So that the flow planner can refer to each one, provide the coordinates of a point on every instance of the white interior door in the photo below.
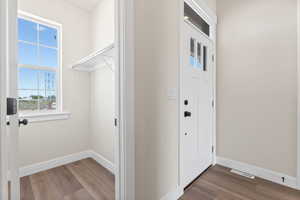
(197, 116)
(12, 94)
(3, 94)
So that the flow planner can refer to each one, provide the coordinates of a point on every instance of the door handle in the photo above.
(24, 122)
(187, 114)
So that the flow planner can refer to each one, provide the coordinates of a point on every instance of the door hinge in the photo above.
(212, 149)
(213, 58)
(213, 103)
(116, 122)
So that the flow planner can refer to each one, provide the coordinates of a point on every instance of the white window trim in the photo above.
(58, 114)
(48, 116)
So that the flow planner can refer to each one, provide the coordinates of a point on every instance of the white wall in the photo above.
(156, 117)
(102, 83)
(257, 80)
(212, 4)
(103, 24)
(156, 71)
(48, 140)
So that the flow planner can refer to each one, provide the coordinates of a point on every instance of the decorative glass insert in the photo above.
(204, 58)
(192, 52)
(199, 55)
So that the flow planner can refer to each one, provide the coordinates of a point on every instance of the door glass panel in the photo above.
(192, 52)
(199, 57)
(204, 58)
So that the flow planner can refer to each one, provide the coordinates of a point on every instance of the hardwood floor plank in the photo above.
(43, 188)
(79, 195)
(276, 191)
(101, 173)
(26, 189)
(64, 180)
(82, 180)
(95, 186)
(195, 193)
(218, 183)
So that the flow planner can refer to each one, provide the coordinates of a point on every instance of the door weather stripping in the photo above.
(244, 174)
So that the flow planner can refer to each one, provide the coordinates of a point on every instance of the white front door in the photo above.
(197, 113)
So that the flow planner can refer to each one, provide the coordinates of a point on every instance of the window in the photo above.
(192, 51)
(193, 17)
(38, 66)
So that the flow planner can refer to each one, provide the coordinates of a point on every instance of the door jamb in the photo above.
(298, 94)
(207, 14)
(3, 90)
(124, 76)
(13, 129)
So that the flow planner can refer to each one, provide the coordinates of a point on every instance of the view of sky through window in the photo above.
(38, 63)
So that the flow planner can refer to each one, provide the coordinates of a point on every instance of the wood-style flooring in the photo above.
(218, 183)
(81, 180)
(87, 180)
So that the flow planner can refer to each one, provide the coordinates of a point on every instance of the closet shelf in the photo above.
(101, 58)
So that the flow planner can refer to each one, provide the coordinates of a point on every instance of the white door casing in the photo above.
(3, 94)
(13, 130)
(197, 134)
(124, 76)
(9, 134)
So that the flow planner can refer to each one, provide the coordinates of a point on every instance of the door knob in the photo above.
(187, 114)
(24, 122)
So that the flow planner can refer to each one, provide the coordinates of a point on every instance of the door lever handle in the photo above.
(187, 114)
(24, 122)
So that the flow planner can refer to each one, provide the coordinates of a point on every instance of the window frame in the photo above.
(57, 70)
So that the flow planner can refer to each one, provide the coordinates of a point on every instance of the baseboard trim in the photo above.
(269, 175)
(103, 161)
(35, 168)
(173, 195)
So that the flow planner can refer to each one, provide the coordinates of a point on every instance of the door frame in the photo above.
(3, 93)
(124, 76)
(210, 17)
(125, 152)
(298, 95)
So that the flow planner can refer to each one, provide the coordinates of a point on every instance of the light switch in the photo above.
(172, 93)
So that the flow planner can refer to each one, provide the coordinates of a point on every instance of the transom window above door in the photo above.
(38, 66)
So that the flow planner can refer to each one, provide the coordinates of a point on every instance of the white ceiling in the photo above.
(87, 5)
